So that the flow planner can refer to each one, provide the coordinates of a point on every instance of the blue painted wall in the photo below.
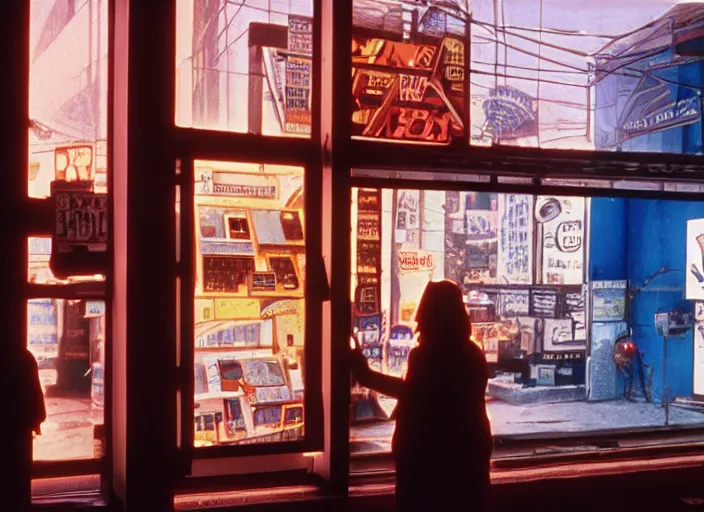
(633, 239)
(608, 243)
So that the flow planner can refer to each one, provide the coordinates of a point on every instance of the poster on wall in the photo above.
(609, 301)
(559, 336)
(478, 258)
(563, 234)
(694, 269)
(408, 218)
(574, 308)
(515, 232)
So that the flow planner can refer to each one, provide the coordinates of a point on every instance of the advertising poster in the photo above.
(407, 217)
(515, 231)
(608, 301)
(694, 268)
(558, 335)
(562, 221)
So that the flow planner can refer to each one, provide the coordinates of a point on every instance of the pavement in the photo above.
(68, 431)
(557, 418)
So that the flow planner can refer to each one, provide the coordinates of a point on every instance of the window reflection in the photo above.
(67, 339)
(606, 75)
(39, 269)
(245, 66)
(408, 70)
(249, 307)
(68, 94)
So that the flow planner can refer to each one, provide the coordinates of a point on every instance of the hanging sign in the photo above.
(79, 242)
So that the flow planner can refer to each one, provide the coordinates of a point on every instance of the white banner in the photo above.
(515, 232)
(562, 219)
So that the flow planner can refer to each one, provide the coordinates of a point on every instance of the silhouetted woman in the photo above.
(442, 443)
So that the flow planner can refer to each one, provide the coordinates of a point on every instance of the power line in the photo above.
(541, 43)
(521, 50)
(571, 33)
(505, 75)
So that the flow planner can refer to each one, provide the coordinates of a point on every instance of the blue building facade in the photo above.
(648, 87)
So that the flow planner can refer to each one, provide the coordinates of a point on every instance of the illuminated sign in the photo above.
(74, 163)
(408, 91)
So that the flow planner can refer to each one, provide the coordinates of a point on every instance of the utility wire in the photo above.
(573, 33)
(539, 42)
(521, 50)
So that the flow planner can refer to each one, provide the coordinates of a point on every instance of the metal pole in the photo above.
(665, 393)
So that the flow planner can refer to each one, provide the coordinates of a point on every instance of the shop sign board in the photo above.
(232, 309)
(79, 241)
(233, 184)
(81, 221)
(656, 105)
(415, 261)
(94, 308)
(229, 247)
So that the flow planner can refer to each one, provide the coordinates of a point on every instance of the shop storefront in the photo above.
(200, 250)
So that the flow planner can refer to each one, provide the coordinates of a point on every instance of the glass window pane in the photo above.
(245, 65)
(249, 306)
(408, 70)
(607, 75)
(39, 270)
(67, 339)
(68, 94)
(553, 285)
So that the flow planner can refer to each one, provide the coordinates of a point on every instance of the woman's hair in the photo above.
(441, 315)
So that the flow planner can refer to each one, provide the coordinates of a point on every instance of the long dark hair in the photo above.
(441, 316)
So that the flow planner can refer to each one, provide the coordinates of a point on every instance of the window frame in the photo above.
(37, 220)
(433, 166)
